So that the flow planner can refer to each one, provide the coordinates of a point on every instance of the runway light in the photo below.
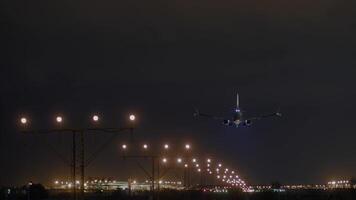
(166, 146)
(23, 120)
(187, 146)
(145, 146)
(124, 146)
(179, 160)
(199, 170)
(132, 117)
(194, 160)
(164, 160)
(208, 160)
(220, 164)
(185, 165)
(197, 165)
(95, 118)
(59, 119)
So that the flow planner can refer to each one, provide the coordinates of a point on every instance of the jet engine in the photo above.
(248, 122)
(226, 122)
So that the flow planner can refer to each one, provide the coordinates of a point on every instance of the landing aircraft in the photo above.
(237, 119)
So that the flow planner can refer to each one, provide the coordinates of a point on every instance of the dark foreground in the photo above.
(185, 195)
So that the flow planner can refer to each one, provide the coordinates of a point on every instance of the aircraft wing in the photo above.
(197, 113)
(276, 114)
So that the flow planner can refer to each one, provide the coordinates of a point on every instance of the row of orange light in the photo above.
(232, 179)
(59, 119)
(165, 146)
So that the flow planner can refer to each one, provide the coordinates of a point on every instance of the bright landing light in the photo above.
(59, 119)
(132, 117)
(23, 120)
(95, 118)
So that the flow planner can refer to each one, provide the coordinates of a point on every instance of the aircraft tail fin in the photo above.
(196, 112)
(278, 112)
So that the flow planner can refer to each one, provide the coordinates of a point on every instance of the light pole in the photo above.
(75, 131)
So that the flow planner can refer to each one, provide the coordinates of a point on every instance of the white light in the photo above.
(23, 120)
(164, 160)
(179, 160)
(145, 146)
(59, 119)
(95, 118)
(132, 117)
(166, 146)
(197, 165)
(187, 146)
(194, 160)
(199, 170)
(220, 164)
(185, 165)
(208, 160)
(124, 146)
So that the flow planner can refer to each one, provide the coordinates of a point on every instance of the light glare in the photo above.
(95, 118)
(23, 120)
(59, 119)
(132, 117)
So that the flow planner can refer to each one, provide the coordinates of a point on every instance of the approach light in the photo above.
(187, 146)
(124, 146)
(185, 165)
(164, 160)
(220, 164)
(23, 120)
(166, 146)
(179, 160)
(199, 170)
(95, 118)
(59, 119)
(132, 117)
(194, 160)
(145, 146)
(208, 160)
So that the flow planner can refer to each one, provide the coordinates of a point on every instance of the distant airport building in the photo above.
(107, 184)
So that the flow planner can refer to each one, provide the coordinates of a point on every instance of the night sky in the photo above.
(160, 59)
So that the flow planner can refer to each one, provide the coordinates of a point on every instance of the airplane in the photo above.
(237, 119)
